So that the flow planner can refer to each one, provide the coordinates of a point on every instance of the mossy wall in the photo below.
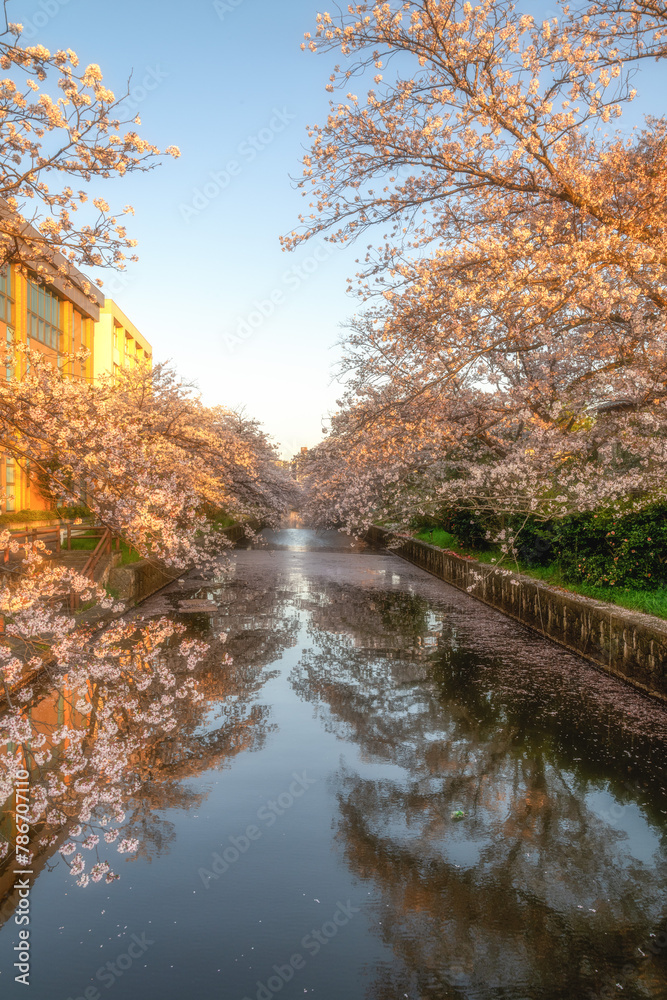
(625, 643)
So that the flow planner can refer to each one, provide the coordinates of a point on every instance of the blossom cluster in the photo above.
(51, 149)
(511, 355)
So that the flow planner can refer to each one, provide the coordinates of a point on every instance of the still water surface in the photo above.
(392, 792)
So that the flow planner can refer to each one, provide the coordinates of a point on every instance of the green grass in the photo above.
(224, 521)
(218, 522)
(438, 537)
(84, 544)
(649, 602)
(128, 554)
(444, 540)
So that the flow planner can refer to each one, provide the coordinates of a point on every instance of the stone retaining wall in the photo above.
(137, 581)
(624, 643)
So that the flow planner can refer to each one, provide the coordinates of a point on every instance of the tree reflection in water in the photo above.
(153, 764)
(548, 887)
(537, 891)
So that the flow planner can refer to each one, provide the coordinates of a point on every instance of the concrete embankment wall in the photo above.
(137, 581)
(624, 643)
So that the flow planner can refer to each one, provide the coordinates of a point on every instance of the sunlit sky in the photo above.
(227, 82)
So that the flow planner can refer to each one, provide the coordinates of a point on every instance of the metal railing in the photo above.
(32, 535)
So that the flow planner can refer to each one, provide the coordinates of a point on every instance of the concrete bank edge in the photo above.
(626, 644)
(138, 581)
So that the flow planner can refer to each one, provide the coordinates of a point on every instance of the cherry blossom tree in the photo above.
(152, 461)
(52, 148)
(143, 450)
(511, 355)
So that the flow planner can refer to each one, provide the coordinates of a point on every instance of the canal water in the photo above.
(390, 792)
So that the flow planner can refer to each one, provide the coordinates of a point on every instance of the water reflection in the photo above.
(223, 721)
(494, 807)
(298, 539)
(551, 884)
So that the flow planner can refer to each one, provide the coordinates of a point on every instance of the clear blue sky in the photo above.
(227, 83)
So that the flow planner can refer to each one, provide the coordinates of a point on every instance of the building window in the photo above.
(6, 302)
(10, 347)
(10, 481)
(44, 316)
(86, 330)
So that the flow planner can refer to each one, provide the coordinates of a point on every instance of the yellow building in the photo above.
(54, 318)
(117, 342)
(58, 318)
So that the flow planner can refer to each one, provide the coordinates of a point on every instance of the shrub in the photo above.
(471, 529)
(70, 513)
(604, 549)
(21, 516)
(534, 541)
(26, 515)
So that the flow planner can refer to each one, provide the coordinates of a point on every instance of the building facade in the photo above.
(117, 342)
(55, 319)
(60, 318)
